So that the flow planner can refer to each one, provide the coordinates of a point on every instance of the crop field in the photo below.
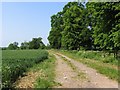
(16, 62)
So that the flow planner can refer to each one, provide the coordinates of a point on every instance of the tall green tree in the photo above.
(105, 24)
(94, 26)
(56, 29)
(75, 30)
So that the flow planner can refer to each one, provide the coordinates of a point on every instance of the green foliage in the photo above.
(4, 48)
(72, 26)
(46, 80)
(105, 24)
(93, 26)
(16, 62)
(68, 30)
(90, 54)
(13, 46)
(97, 55)
(110, 59)
(24, 45)
(36, 43)
(55, 33)
(48, 46)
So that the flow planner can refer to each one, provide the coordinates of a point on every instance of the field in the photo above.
(16, 62)
(73, 45)
(51, 71)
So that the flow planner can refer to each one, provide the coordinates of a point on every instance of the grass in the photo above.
(16, 62)
(46, 80)
(97, 55)
(108, 69)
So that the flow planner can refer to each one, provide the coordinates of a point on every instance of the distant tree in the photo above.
(36, 43)
(48, 46)
(41, 44)
(13, 46)
(24, 45)
(4, 48)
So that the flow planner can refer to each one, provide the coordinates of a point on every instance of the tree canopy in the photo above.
(95, 25)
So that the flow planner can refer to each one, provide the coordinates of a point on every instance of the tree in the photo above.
(24, 45)
(75, 33)
(55, 33)
(68, 30)
(13, 46)
(48, 46)
(95, 26)
(105, 25)
(36, 43)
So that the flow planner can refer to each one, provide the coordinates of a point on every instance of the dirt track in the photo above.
(67, 77)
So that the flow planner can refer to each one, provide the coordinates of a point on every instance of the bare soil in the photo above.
(28, 80)
(65, 75)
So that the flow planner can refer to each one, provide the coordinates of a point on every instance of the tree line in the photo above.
(36, 43)
(90, 26)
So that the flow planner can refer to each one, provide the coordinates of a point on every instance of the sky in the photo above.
(22, 21)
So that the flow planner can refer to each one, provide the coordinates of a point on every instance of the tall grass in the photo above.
(96, 55)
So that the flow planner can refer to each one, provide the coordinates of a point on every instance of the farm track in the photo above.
(66, 76)
(70, 74)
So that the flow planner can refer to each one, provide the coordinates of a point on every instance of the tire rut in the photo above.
(66, 76)
(95, 79)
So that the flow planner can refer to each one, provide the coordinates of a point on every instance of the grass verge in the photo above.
(46, 79)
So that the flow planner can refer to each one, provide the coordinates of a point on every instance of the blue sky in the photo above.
(22, 21)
